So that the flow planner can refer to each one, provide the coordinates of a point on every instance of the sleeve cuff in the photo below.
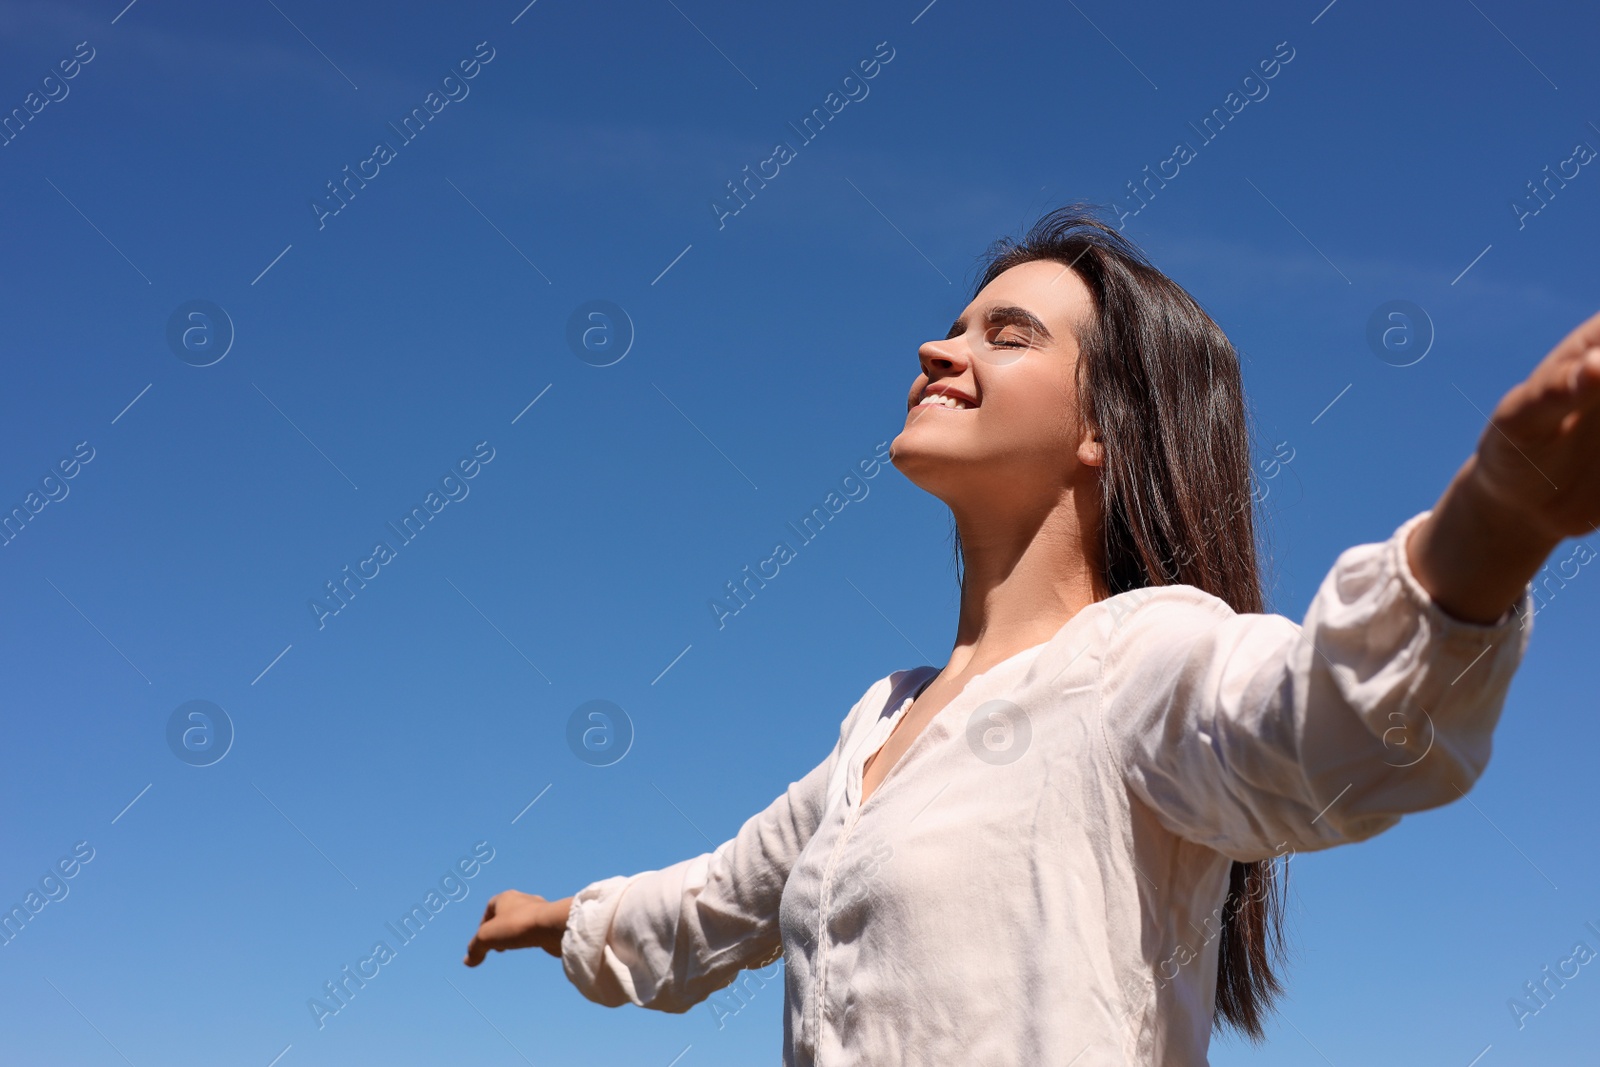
(587, 960)
(1440, 621)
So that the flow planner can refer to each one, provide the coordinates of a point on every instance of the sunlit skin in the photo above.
(1019, 474)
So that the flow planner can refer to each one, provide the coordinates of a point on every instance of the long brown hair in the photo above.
(1160, 382)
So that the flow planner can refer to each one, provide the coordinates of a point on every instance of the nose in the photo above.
(943, 359)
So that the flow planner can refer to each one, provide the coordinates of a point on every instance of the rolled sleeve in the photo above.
(587, 959)
(1250, 733)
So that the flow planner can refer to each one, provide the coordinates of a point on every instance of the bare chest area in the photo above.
(916, 717)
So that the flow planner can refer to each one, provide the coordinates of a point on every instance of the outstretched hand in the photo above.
(1533, 482)
(1540, 455)
(519, 920)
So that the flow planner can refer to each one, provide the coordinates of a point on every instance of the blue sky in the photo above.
(380, 352)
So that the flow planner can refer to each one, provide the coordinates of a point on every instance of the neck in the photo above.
(1027, 572)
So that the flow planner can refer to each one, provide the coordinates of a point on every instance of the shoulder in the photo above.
(1163, 624)
(1160, 608)
(1174, 659)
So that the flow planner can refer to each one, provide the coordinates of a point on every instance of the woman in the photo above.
(1060, 847)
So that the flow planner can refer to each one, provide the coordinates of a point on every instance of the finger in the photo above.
(488, 937)
(488, 909)
(1538, 408)
(484, 938)
(1572, 347)
(1586, 372)
(1569, 359)
(1586, 336)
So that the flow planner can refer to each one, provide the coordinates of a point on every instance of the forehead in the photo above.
(1045, 287)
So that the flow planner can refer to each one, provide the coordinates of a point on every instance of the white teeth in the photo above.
(945, 401)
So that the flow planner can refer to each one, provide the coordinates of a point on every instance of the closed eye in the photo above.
(1000, 319)
(1001, 338)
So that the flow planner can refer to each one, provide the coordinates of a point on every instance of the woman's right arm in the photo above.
(667, 939)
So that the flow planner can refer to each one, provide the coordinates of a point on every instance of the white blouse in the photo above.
(1039, 879)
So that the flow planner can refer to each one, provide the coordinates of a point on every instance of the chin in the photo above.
(929, 471)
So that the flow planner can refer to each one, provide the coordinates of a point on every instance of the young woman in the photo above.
(1060, 847)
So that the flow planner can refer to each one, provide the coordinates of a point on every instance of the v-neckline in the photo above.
(904, 709)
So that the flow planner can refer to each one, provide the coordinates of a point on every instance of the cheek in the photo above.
(1036, 407)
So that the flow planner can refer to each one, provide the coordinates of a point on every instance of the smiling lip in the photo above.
(940, 390)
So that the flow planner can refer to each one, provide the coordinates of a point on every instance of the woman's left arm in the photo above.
(1533, 482)
(1249, 734)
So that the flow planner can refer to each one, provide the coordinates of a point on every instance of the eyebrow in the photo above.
(1008, 315)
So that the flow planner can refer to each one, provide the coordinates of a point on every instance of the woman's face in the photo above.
(1009, 363)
